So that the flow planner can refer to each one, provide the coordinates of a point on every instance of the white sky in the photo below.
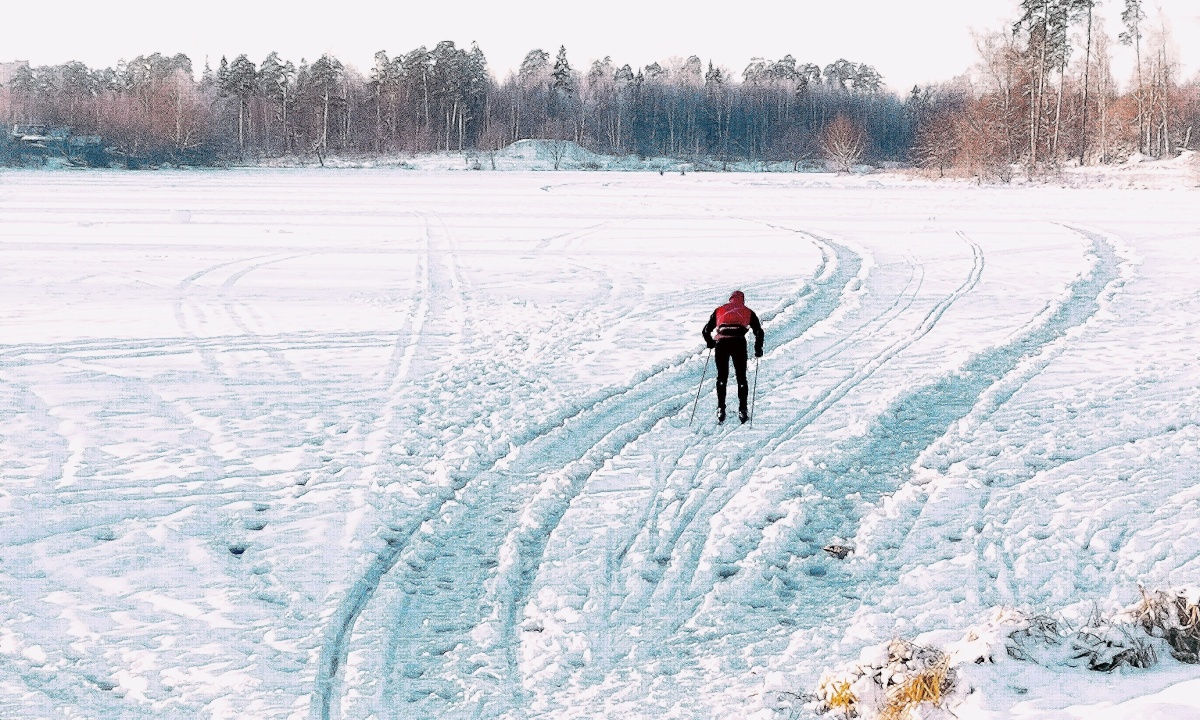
(908, 42)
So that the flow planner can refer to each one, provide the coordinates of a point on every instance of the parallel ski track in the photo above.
(691, 506)
(112, 349)
(712, 496)
(1006, 366)
(559, 488)
(981, 371)
(951, 397)
(405, 346)
(235, 311)
(610, 419)
(529, 546)
(691, 589)
(701, 495)
(241, 268)
(525, 545)
(85, 508)
(880, 459)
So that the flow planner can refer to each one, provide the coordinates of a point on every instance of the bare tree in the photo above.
(844, 142)
(1132, 17)
(1087, 68)
(1165, 133)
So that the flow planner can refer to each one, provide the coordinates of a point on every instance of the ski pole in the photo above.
(702, 376)
(754, 394)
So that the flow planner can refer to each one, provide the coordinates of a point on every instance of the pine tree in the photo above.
(326, 76)
(563, 99)
(535, 63)
(562, 77)
(241, 82)
(275, 80)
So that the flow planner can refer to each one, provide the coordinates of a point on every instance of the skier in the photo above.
(732, 321)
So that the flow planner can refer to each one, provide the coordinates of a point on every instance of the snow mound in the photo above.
(1139, 171)
(565, 151)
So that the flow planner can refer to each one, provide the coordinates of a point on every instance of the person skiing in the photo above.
(732, 321)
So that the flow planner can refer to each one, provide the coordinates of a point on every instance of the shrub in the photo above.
(888, 682)
(1174, 617)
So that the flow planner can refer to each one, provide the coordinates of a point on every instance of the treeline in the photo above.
(1045, 95)
(445, 99)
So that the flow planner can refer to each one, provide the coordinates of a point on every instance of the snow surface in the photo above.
(396, 444)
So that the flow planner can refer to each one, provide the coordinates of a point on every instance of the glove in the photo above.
(757, 352)
(711, 344)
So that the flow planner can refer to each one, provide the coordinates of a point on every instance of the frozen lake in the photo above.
(386, 444)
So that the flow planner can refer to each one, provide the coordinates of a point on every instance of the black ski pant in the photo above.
(732, 349)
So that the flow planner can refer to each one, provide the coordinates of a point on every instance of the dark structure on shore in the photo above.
(34, 144)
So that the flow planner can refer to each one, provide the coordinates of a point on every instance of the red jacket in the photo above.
(734, 320)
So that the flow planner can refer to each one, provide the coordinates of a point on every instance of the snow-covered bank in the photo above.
(1136, 172)
(298, 443)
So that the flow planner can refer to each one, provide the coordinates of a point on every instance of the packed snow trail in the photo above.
(748, 572)
(478, 508)
(524, 548)
(418, 441)
(1004, 371)
(881, 462)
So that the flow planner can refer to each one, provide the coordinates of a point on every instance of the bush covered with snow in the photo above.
(1174, 617)
(920, 678)
(888, 682)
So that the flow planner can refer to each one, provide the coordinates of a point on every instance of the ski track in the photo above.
(25, 355)
(882, 462)
(689, 445)
(1003, 371)
(236, 309)
(525, 545)
(570, 449)
(712, 498)
(666, 600)
(440, 303)
(84, 485)
(663, 551)
(405, 347)
(186, 309)
(459, 506)
(875, 470)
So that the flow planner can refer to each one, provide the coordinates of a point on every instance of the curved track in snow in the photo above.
(371, 445)
(453, 544)
(687, 582)
(462, 572)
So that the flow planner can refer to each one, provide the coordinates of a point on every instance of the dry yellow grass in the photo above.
(1175, 617)
(911, 675)
(926, 686)
(842, 699)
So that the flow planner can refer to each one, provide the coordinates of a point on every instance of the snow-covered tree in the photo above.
(240, 80)
(275, 77)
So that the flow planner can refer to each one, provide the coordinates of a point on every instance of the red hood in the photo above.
(737, 298)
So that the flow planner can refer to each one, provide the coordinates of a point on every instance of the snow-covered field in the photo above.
(387, 444)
